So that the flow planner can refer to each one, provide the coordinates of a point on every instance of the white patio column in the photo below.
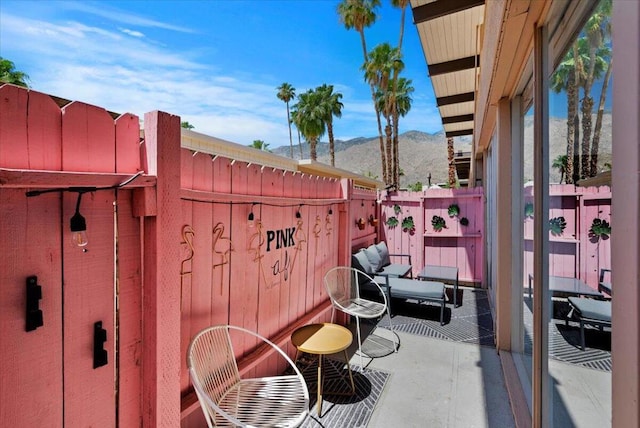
(625, 215)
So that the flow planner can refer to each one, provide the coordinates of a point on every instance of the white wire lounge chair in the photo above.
(343, 286)
(228, 400)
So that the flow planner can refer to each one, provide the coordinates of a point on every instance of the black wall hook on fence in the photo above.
(100, 355)
(34, 313)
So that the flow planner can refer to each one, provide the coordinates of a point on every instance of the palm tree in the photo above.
(402, 105)
(332, 107)
(402, 4)
(260, 145)
(382, 62)
(561, 162)
(360, 14)
(294, 113)
(286, 93)
(310, 119)
(567, 77)
(9, 74)
(598, 29)
(595, 143)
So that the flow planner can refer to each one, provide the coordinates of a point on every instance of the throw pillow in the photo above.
(384, 254)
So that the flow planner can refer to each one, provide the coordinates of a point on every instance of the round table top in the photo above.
(324, 338)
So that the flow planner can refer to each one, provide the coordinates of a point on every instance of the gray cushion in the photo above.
(599, 310)
(362, 260)
(384, 253)
(415, 289)
(374, 257)
(395, 270)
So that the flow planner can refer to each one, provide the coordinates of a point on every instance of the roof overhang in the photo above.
(449, 32)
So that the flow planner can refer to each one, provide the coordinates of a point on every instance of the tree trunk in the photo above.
(587, 108)
(290, 137)
(312, 148)
(595, 144)
(452, 169)
(571, 112)
(388, 132)
(576, 148)
(396, 149)
(332, 154)
(385, 172)
(300, 144)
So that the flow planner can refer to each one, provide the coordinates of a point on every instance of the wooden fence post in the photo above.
(161, 271)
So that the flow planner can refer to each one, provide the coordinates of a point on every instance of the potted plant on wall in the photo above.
(438, 223)
(600, 229)
(408, 225)
(557, 225)
(392, 222)
(361, 223)
(453, 210)
(373, 221)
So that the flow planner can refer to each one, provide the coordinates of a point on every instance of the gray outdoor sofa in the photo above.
(392, 279)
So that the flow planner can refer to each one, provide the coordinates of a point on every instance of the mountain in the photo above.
(422, 154)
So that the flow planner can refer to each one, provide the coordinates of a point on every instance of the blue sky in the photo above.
(214, 63)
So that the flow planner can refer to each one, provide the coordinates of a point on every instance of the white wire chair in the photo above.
(343, 284)
(228, 400)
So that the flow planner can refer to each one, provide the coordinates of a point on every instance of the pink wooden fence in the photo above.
(48, 378)
(454, 245)
(574, 252)
(171, 252)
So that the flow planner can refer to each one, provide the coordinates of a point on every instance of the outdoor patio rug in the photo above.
(471, 322)
(342, 411)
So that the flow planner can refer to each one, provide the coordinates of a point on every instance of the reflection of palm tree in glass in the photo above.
(560, 163)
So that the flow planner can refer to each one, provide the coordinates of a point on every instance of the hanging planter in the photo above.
(373, 221)
(407, 224)
(557, 225)
(438, 223)
(396, 209)
(600, 229)
(361, 223)
(464, 221)
(453, 210)
(392, 222)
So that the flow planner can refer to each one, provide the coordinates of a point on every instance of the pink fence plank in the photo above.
(128, 143)
(223, 245)
(89, 278)
(222, 176)
(130, 313)
(32, 361)
(13, 127)
(88, 139)
(45, 132)
(201, 278)
(186, 284)
(243, 283)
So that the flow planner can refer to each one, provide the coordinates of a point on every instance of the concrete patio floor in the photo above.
(438, 383)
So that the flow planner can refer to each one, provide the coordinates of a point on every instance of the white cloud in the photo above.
(123, 70)
(122, 17)
(132, 33)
